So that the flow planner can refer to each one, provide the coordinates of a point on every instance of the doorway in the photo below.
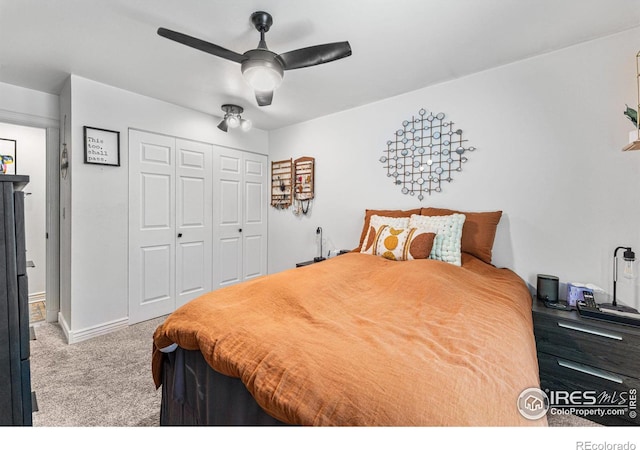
(28, 157)
(36, 155)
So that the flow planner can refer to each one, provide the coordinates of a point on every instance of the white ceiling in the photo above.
(398, 46)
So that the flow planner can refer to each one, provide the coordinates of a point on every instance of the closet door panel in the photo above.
(156, 269)
(230, 272)
(151, 226)
(254, 216)
(227, 213)
(194, 220)
(253, 256)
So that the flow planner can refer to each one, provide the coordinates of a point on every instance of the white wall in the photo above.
(31, 161)
(22, 103)
(549, 132)
(99, 195)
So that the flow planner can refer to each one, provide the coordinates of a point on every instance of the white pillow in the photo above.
(374, 225)
(448, 229)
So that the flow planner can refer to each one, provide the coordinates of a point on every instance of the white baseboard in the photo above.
(75, 336)
(37, 297)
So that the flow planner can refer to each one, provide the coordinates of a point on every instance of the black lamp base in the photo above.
(617, 307)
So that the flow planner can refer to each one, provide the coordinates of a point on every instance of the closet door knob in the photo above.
(179, 235)
(239, 230)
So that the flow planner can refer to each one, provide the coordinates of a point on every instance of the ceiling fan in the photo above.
(262, 68)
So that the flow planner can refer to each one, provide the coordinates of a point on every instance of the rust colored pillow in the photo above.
(382, 212)
(478, 231)
(421, 245)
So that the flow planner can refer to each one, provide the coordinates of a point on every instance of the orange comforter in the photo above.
(361, 340)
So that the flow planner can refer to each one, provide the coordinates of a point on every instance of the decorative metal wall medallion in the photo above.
(425, 153)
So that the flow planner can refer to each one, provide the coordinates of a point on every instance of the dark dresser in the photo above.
(15, 372)
(589, 364)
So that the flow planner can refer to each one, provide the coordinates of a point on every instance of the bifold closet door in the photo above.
(240, 216)
(193, 220)
(169, 223)
(152, 225)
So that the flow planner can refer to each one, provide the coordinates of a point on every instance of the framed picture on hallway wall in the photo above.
(8, 149)
(101, 146)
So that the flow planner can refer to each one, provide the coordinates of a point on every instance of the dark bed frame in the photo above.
(195, 394)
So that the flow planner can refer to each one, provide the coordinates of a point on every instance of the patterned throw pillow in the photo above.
(374, 225)
(448, 229)
(403, 244)
(382, 212)
(478, 232)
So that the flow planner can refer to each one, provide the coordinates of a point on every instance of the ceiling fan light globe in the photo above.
(262, 75)
(233, 121)
(245, 124)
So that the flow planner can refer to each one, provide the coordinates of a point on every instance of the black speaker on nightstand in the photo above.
(548, 287)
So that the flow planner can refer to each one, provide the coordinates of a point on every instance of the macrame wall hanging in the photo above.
(425, 153)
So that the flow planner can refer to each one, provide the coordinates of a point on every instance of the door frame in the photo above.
(52, 146)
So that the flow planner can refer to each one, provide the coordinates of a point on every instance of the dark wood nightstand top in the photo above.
(539, 308)
(305, 263)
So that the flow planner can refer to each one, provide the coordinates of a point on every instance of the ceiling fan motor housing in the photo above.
(262, 21)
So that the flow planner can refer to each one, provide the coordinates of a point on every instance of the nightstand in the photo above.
(316, 260)
(596, 362)
(305, 263)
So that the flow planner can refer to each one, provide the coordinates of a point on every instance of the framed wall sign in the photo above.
(101, 146)
(8, 150)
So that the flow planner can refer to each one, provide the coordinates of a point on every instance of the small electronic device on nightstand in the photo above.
(559, 304)
(588, 300)
(587, 307)
(547, 291)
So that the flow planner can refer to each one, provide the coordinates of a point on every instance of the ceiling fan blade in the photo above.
(264, 98)
(201, 45)
(312, 56)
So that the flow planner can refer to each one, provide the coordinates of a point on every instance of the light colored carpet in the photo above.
(569, 421)
(105, 381)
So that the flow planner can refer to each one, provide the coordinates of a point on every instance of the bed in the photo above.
(356, 340)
